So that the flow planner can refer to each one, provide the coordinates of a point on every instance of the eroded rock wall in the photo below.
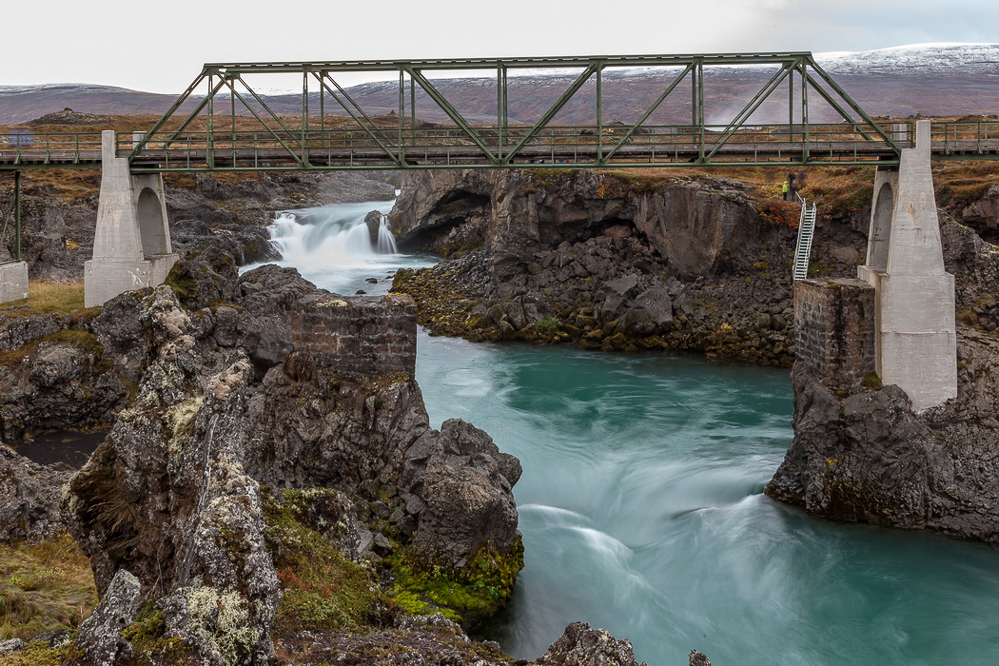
(605, 261)
(862, 455)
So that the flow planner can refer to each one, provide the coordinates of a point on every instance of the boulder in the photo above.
(580, 645)
(100, 634)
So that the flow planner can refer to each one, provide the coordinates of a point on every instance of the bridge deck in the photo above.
(489, 147)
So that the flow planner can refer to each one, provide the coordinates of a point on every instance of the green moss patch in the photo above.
(469, 595)
(323, 590)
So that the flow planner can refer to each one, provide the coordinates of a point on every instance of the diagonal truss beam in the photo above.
(750, 108)
(371, 129)
(652, 109)
(451, 112)
(291, 151)
(592, 69)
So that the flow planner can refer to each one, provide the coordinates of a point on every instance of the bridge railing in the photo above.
(30, 150)
(965, 139)
(492, 145)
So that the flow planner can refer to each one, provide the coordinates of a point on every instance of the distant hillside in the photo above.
(926, 79)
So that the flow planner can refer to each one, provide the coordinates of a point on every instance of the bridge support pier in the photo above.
(132, 242)
(916, 337)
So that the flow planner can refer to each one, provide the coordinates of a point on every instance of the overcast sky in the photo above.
(161, 46)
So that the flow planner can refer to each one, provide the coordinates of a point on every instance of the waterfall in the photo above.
(386, 241)
(334, 248)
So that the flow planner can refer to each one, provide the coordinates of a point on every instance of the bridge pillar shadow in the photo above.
(916, 338)
(132, 241)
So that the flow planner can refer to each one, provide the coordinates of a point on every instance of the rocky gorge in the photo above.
(234, 438)
(611, 262)
(270, 486)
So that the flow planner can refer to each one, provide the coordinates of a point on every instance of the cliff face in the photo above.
(699, 227)
(602, 261)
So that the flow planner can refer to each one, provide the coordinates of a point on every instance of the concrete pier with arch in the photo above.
(916, 337)
(132, 241)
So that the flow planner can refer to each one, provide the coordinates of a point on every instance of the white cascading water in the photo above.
(332, 247)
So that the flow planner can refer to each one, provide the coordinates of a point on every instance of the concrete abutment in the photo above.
(132, 241)
(916, 333)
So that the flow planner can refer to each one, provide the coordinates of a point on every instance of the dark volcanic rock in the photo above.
(553, 256)
(290, 387)
(29, 498)
(57, 381)
(100, 634)
(864, 456)
(582, 646)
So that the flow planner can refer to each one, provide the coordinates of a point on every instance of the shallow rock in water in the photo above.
(698, 659)
(582, 646)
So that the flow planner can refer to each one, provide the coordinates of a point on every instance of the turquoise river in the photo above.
(641, 504)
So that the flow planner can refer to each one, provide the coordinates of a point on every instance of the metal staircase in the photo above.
(806, 230)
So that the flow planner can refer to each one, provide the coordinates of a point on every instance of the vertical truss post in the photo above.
(17, 216)
(305, 115)
(500, 71)
(804, 113)
(232, 120)
(210, 126)
(412, 107)
(699, 107)
(600, 116)
(790, 104)
(402, 116)
(322, 109)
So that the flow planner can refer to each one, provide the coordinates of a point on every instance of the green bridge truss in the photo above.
(583, 114)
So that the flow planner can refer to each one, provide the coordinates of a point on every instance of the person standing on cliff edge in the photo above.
(789, 192)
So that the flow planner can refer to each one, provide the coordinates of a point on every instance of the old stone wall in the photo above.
(834, 323)
(359, 336)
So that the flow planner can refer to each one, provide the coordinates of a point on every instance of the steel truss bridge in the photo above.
(793, 114)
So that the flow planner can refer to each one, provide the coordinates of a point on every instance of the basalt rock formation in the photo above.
(601, 260)
(287, 387)
(863, 455)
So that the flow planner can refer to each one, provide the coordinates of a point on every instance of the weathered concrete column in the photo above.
(132, 241)
(13, 281)
(914, 303)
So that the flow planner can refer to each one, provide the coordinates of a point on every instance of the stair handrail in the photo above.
(803, 248)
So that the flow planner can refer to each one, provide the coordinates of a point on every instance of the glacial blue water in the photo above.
(642, 512)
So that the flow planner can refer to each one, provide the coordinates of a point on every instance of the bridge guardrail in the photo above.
(493, 145)
(963, 138)
(27, 150)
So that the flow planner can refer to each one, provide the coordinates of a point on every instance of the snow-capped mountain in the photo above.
(929, 59)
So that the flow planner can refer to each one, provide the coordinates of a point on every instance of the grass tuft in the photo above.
(46, 586)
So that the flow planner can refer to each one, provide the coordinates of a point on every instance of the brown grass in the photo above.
(44, 587)
(46, 297)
